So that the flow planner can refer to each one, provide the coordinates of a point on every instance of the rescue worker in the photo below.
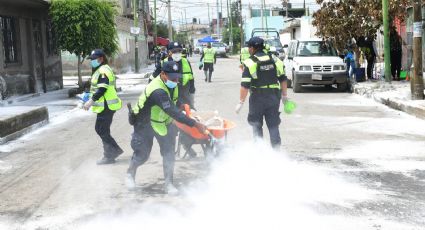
(264, 78)
(184, 51)
(104, 102)
(210, 58)
(244, 55)
(153, 117)
(187, 84)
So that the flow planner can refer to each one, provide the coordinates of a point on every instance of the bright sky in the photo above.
(199, 8)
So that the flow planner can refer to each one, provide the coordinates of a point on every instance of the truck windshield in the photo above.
(315, 48)
(274, 43)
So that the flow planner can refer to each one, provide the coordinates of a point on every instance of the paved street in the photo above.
(346, 163)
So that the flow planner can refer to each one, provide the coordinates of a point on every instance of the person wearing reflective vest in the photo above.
(244, 55)
(104, 102)
(264, 78)
(187, 84)
(209, 58)
(153, 117)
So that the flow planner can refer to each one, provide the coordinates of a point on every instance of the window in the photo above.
(315, 48)
(51, 39)
(7, 25)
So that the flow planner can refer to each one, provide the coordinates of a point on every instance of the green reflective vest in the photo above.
(187, 71)
(112, 100)
(244, 54)
(209, 54)
(253, 69)
(159, 118)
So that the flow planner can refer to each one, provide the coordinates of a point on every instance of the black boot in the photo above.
(130, 179)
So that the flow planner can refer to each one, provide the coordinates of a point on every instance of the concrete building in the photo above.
(29, 60)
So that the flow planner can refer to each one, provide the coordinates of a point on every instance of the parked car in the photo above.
(316, 62)
(220, 49)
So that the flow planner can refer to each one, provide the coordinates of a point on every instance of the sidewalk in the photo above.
(395, 95)
(22, 114)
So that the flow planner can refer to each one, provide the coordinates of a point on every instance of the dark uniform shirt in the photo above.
(246, 74)
(160, 98)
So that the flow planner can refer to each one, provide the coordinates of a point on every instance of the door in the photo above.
(38, 52)
(289, 59)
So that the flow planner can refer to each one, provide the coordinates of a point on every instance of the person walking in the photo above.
(190, 50)
(350, 60)
(104, 102)
(153, 117)
(368, 48)
(264, 78)
(395, 54)
(187, 84)
(209, 58)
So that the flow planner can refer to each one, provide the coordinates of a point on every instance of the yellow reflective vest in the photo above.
(209, 54)
(159, 118)
(110, 97)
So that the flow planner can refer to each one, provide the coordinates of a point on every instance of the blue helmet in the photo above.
(174, 45)
(256, 42)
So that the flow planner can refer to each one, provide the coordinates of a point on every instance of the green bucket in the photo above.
(403, 74)
(289, 107)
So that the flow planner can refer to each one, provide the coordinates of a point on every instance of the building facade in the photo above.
(29, 59)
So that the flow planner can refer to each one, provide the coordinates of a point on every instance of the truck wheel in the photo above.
(342, 87)
(296, 86)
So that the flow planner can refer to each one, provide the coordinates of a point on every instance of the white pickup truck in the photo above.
(314, 61)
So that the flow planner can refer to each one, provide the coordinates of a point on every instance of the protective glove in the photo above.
(88, 104)
(200, 127)
(284, 99)
(239, 107)
(131, 116)
(192, 90)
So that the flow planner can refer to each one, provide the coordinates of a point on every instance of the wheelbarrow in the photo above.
(211, 141)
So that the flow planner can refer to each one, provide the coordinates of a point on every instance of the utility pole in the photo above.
(209, 20)
(230, 19)
(170, 25)
(264, 3)
(287, 3)
(240, 9)
(155, 28)
(417, 80)
(387, 58)
(218, 20)
(136, 43)
(262, 15)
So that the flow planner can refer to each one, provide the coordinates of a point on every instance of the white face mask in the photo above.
(176, 57)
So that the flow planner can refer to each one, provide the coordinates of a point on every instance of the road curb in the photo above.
(395, 103)
(14, 126)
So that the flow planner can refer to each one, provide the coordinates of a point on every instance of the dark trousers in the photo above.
(103, 128)
(265, 106)
(208, 69)
(395, 64)
(142, 141)
(185, 96)
(370, 65)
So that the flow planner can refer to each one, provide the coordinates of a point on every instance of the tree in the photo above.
(181, 37)
(83, 25)
(235, 16)
(342, 20)
(162, 30)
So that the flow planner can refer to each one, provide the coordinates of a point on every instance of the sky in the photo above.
(199, 8)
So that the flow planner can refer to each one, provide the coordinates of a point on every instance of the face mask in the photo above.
(94, 63)
(171, 84)
(176, 57)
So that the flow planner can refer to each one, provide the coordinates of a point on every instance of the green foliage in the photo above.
(236, 37)
(83, 25)
(162, 29)
(182, 38)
